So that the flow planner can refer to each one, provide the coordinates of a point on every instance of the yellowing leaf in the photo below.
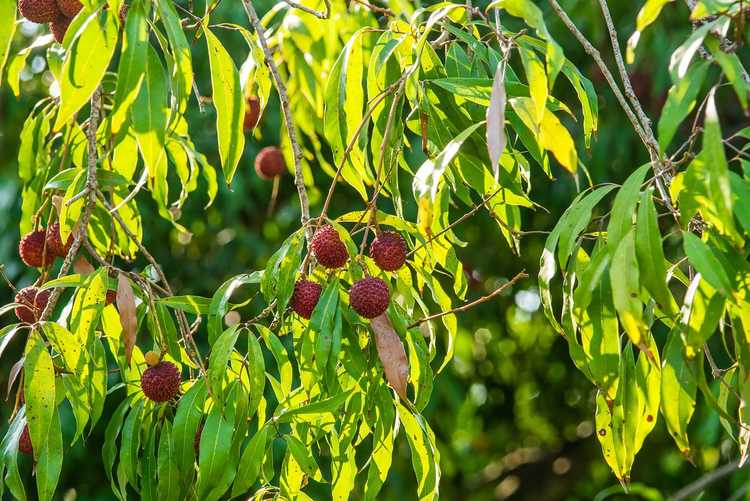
(555, 138)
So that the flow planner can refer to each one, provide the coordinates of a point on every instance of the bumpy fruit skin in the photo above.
(305, 297)
(59, 27)
(161, 382)
(389, 251)
(270, 162)
(111, 297)
(123, 12)
(33, 250)
(54, 241)
(69, 8)
(39, 11)
(24, 442)
(33, 302)
(328, 248)
(252, 113)
(369, 297)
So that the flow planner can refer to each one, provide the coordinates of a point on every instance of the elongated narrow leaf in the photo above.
(623, 208)
(229, 104)
(425, 457)
(391, 353)
(496, 139)
(215, 450)
(7, 29)
(220, 353)
(85, 64)
(624, 277)
(132, 65)
(702, 257)
(182, 78)
(39, 391)
(250, 463)
(678, 389)
(681, 100)
(50, 462)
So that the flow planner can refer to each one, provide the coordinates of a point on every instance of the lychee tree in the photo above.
(416, 110)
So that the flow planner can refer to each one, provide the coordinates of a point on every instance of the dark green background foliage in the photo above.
(512, 415)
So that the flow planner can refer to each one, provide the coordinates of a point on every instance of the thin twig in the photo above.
(316, 13)
(299, 180)
(91, 187)
(519, 276)
(704, 481)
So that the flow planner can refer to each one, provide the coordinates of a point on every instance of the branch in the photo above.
(643, 129)
(468, 306)
(299, 180)
(316, 13)
(90, 190)
(704, 481)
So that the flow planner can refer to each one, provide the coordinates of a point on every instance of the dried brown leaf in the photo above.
(128, 318)
(392, 354)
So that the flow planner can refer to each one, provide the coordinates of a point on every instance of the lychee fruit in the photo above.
(32, 303)
(152, 358)
(389, 251)
(328, 248)
(369, 297)
(69, 8)
(24, 442)
(54, 240)
(270, 162)
(252, 113)
(123, 12)
(59, 27)
(111, 297)
(34, 251)
(39, 11)
(305, 297)
(161, 382)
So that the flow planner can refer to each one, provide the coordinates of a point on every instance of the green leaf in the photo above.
(9, 450)
(323, 323)
(131, 443)
(733, 69)
(427, 178)
(220, 301)
(647, 15)
(680, 102)
(256, 368)
(149, 117)
(109, 449)
(312, 410)
(220, 352)
(186, 422)
(651, 260)
(133, 63)
(196, 305)
(85, 64)
(425, 457)
(624, 277)
(344, 109)
(229, 104)
(706, 263)
(250, 463)
(286, 372)
(49, 466)
(169, 480)
(7, 29)
(281, 271)
(302, 455)
(678, 390)
(215, 450)
(182, 78)
(623, 208)
(39, 391)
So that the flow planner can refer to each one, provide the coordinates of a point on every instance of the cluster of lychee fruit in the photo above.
(370, 296)
(56, 13)
(39, 249)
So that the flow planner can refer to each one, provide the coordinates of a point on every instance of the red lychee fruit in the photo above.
(39, 11)
(270, 162)
(33, 250)
(111, 297)
(59, 27)
(389, 251)
(24, 442)
(328, 248)
(54, 241)
(252, 113)
(305, 297)
(161, 382)
(32, 301)
(69, 8)
(369, 297)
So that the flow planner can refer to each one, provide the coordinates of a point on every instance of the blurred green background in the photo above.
(513, 417)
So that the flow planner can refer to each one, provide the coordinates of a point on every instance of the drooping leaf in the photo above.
(391, 353)
(496, 139)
